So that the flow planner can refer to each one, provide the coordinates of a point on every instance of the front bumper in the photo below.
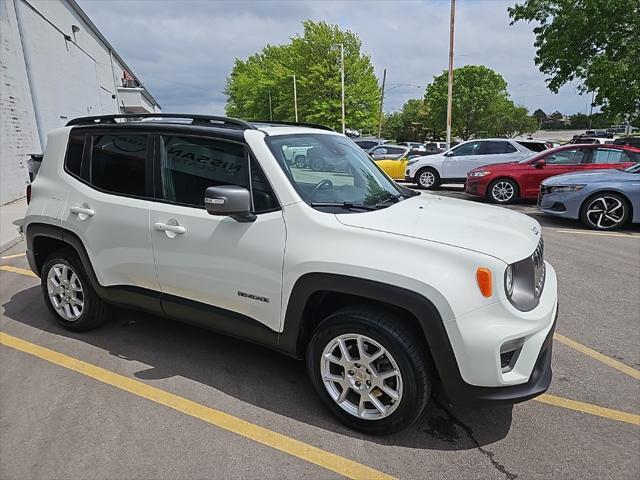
(475, 375)
(560, 204)
(475, 186)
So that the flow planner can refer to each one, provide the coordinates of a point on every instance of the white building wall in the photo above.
(72, 73)
(18, 132)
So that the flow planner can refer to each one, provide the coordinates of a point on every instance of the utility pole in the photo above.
(342, 81)
(593, 93)
(295, 97)
(450, 83)
(384, 79)
(270, 108)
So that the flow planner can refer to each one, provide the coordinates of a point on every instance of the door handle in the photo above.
(87, 212)
(165, 227)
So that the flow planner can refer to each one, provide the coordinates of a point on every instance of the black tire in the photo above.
(498, 191)
(94, 310)
(404, 345)
(316, 164)
(591, 220)
(427, 178)
(300, 161)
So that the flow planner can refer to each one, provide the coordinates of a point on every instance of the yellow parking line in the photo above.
(601, 234)
(291, 446)
(21, 271)
(632, 372)
(589, 408)
(7, 257)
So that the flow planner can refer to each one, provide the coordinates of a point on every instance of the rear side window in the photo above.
(75, 147)
(496, 148)
(610, 155)
(534, 146)
(118, 163)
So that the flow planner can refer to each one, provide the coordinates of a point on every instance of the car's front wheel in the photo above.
(367, 367)
(605, 211)
(69, 294)
(502, 190)
(428, 178)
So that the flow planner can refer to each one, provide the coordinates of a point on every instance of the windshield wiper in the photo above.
(389, 200)
(345, 205)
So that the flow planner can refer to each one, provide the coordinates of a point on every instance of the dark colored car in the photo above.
(505, 182)
(631, 141)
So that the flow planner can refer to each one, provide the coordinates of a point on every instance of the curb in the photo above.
(7, 245)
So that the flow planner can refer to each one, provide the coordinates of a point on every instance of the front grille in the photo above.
(539, 270)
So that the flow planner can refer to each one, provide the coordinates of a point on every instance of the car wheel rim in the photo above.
(503, 191)
(361, 376)
(605, 212)
(427, 179)
(65, 292)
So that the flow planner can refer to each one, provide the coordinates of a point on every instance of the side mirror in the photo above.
(229, 201)
(540, 163)
(448, 154)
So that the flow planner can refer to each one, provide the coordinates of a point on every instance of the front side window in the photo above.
(337, 171)
(469, 148)
(610, 155)
(119, 163)
(567, 157)
(190, 165)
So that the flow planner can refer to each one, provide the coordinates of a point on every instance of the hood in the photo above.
(606, 175)
(495, 231)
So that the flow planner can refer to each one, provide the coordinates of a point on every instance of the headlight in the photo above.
(524, 280)
(508, 280)
(412, 161)
(565, 188)
(480, 173)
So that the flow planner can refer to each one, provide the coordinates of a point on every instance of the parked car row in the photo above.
(595, 182)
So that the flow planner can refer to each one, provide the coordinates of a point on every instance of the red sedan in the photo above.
(505, 182)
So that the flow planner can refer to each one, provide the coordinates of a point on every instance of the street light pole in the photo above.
(295, 97)
(270, 108)
(450, 82)
(384, 79)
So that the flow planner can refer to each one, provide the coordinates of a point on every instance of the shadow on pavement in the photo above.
(255, 375)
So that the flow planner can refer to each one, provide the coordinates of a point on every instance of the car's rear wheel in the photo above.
(300, 161)
(605, 211)
(502, 190)
(368, 369)
(69, 294)
(428, 178)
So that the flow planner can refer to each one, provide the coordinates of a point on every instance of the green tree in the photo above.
(540, 116)
(594, 41)
(579, 120)
(315, 61)
(481, 104)
(411, 123)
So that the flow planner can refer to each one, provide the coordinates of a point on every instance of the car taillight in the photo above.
(28, 194)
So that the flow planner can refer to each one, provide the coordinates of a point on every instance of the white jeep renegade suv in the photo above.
(382, 291)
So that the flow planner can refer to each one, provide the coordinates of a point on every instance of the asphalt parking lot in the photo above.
(147, 398)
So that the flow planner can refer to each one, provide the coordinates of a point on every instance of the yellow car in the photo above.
(392, 159)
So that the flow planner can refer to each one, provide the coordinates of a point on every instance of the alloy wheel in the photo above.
(361, 376)
(65, 292)
(503, 191)
(606, 212)
(426, 179)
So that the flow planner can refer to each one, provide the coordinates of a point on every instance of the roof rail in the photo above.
(203, 120)
(293, 124)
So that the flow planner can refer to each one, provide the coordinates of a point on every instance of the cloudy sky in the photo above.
(183, 50)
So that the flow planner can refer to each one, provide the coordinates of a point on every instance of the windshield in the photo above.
(331, 169)
(633, 168)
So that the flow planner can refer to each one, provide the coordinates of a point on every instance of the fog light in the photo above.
(509, 352)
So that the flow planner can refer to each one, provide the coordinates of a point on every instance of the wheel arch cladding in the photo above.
(316, 295)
